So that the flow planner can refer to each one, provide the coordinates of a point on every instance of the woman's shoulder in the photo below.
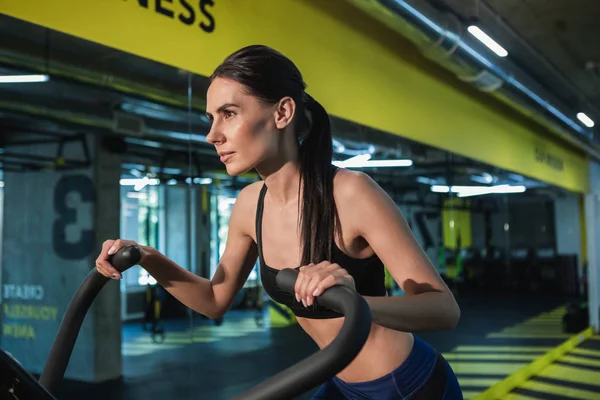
(244, 208)
(251, 190)
(348, 183)
(248, 197)
(357, 195)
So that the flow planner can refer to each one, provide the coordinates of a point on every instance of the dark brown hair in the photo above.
(269, 76)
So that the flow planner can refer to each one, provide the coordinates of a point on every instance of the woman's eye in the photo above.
(229, 114)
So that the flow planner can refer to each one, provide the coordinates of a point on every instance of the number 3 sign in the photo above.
(67, 215)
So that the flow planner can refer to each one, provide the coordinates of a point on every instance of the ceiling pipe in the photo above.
(443, 38)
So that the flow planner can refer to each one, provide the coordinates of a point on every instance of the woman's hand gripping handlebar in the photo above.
(324, 364)
(112, 261)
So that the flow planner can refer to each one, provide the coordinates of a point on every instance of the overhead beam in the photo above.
(98, 118)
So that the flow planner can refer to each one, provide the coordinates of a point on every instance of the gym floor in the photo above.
(576, 375)
(199, 360)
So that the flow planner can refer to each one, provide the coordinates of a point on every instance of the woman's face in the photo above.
(244, 131)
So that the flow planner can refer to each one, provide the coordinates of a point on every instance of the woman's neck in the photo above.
(282, 172)
(283, 183)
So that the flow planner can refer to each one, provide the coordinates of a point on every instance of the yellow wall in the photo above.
(456, 222)
(357, 68)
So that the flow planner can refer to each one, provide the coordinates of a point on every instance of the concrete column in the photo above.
(567, 229)
(592, 220)
(177, 224)
(54, 224)
(106, 339)
(186, 227)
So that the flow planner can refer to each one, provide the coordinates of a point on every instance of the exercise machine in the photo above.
(17, 384)
(152, 307)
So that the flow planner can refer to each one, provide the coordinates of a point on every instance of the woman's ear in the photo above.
(285, 110)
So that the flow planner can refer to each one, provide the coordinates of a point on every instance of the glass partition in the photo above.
(140, 223)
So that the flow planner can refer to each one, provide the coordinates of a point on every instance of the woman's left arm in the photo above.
(428, 304)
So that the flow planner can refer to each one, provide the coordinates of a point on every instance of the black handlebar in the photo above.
(64, 342)
(322, 365)
(288, 384)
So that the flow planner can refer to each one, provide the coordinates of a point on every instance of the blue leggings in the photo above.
(416, 374)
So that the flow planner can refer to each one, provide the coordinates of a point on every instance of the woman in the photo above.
(338, 226)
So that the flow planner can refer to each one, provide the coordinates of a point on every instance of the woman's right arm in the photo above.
(211, 298)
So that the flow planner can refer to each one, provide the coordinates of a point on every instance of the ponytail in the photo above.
(319, 220)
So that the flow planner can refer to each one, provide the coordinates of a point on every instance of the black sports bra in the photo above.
(368, 274)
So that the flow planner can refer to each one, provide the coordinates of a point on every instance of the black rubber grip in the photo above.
(324, 364)
(286, 280)
(63, 345)
(125, 258)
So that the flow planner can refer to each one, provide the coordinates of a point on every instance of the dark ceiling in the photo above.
(556, 41)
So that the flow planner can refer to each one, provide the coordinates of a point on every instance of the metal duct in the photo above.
(443, 38)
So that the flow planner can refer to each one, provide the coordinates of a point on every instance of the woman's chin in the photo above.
(236, 170)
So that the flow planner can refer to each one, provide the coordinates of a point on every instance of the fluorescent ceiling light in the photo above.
(361, 158)
(139, 183)
(199, 181)
(383, 163)
(466, 191)
(440, 189)
(23, 78)
(338, 146)
(484, 178)
(146, 279)
(136, 181)
(500, 189)
(488, 41)
(364, 161)
(587, 121)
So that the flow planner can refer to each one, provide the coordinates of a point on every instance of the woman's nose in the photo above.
(214, 136)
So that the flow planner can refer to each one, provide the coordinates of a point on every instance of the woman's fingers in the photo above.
(314, 279)
(109, 248)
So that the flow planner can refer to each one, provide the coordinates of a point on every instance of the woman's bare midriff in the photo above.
(384, 351)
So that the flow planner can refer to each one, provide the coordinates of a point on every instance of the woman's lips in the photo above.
(226, 156)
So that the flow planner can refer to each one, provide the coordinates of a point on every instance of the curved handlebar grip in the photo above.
(125, 258)
(286, 280)
(339, 298)
(322, 365)
(63, 345)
